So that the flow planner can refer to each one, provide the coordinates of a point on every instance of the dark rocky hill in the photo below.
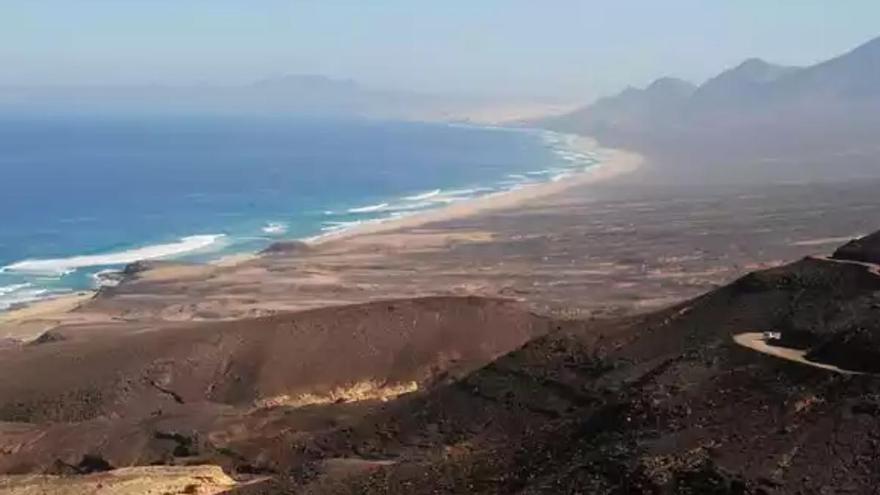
(693, 399)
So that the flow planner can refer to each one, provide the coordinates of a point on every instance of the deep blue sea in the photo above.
(80, 195)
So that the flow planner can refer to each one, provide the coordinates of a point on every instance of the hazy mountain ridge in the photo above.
(634, 106)
(754, 92)
(296, 94)
(854, 75)
(740, 84)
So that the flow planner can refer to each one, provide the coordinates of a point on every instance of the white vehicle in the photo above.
(772, 335)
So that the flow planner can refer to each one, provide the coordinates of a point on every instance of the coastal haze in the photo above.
(459, 248)
(753, 122)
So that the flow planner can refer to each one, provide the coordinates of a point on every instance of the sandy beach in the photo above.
(594, 244)
(31, 320)
(613, 163)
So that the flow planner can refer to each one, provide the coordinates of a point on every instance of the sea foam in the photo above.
(9, 289)
(275, 228)
(24, 296)
(368, 208)
(424, 195)
(62, 266)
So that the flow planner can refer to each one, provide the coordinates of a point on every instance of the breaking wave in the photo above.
(368, 208)
(275, 228)
(424, 195)
(62, 266)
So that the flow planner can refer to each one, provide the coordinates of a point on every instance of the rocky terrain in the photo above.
(476, 395)
(662, 403)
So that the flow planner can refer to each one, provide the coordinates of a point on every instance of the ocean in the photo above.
(83, 195)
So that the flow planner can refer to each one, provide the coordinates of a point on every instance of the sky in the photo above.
(543, 48)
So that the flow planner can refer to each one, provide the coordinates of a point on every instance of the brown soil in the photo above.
(663, 403)
(155, 395)
(446, 394)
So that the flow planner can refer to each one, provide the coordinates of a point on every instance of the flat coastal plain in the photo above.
(597, 244)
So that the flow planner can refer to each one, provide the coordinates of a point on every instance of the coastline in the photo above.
(613, 163)
(17, 323)
(598, 250)
(567, 155)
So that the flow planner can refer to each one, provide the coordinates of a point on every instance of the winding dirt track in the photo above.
(756, 341)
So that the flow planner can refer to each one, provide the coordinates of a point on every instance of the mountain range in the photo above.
(755, 122)
(754, 92)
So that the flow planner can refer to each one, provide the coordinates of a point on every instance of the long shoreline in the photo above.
(611, 163)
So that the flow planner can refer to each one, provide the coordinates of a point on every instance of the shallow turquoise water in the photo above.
(81, 195)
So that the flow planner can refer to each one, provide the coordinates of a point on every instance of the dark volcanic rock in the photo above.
(90, 463)
(865, 249)
(287, 247)
(856, 349)
(110, 280)
(185, 445)
(48, 337)
(132, 269)
(663, 403)
(138, 267)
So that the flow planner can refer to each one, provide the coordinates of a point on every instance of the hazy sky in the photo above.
(541, 47)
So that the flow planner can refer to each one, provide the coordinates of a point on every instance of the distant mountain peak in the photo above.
(754, 63)
(627, 92)
(840, 93)
(854, 76)
(870, 46)
(741, 85)
(752, 70)
(668, 85)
